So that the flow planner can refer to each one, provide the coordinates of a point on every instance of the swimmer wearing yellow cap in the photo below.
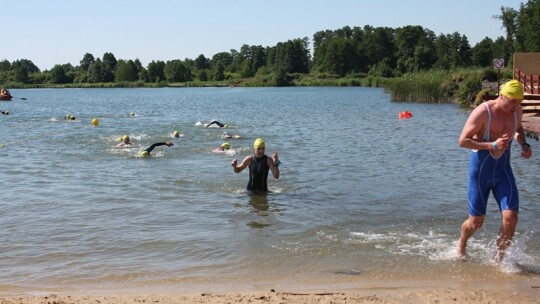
(146, 151)
(125, 142)
(259, 164)
(513, 89)
(489, 132)
(224, 147)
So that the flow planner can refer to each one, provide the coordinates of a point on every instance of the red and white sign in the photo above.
(498, 63)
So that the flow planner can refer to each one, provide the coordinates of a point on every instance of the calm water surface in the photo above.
(364, 199)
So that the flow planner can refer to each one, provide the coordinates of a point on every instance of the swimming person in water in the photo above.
(489, 132)
(224, 146)
(215, 122)
(126, 142)
(259, 164)
(146, 151)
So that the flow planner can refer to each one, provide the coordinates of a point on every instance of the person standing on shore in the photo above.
(259, 164)
(489, 132)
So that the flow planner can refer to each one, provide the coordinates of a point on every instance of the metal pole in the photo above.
(498, 81)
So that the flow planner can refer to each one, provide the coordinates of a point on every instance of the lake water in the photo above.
(364, 199)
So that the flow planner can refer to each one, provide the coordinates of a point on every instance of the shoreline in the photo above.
(524, 290)
(531, 124)
(387, 296)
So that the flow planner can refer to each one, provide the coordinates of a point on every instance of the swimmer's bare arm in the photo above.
(271, 162)
(123, 145)
(238, 168)
(472, 133)
(526, 151)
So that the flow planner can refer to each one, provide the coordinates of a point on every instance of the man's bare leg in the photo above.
(468, 228)
(506, 233)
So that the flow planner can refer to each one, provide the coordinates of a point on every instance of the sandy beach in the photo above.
(390, 296)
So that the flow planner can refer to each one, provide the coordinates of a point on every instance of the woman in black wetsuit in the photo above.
(259, 164)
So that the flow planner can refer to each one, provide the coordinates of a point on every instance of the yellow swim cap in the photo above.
(512, 89)
(144, 153)
(226, 146)
(176, 134)
(259, 143)
(125, 137)
(225, 126)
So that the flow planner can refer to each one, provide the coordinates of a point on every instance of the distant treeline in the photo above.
(344, 53)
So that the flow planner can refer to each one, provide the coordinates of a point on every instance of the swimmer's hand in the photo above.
(234, 162)
(503, 142)
(526, 151)
(169, 143)
(275, 158)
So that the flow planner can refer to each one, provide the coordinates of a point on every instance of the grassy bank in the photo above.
(462, 86)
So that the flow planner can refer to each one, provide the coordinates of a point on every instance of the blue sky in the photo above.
(62, 31)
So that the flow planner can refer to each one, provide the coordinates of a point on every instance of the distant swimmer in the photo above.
(4, 112)
(125, 142)
(177, 134)
(224, 147)
(146, 151)
(215, 122)
(227, 135)
(259, 164)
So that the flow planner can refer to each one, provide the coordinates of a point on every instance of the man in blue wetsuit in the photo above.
(259, 164)
(489, 131)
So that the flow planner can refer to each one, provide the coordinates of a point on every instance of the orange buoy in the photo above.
(405, 115)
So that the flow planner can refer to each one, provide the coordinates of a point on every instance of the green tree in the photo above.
(508, 17)
(279, 77)
(223, 58)
(201, 63)
(482, 53)
(376, 45)
(341, 57)
(5, 66)
(21, 70)
(109, 61)
(499, 49)
(528, 25)
(321, 40)
(219, 72)
(415, 49)
(155, 71)
(86, 61)
(176, 71)
(202, 75)
(245, 69)
(293, 56)
(97, 72)
(58, 75)
(126, 71)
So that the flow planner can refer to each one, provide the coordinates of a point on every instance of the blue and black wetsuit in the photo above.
(150, 148)
(258, 174)
(487, 173)
(215, 122)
